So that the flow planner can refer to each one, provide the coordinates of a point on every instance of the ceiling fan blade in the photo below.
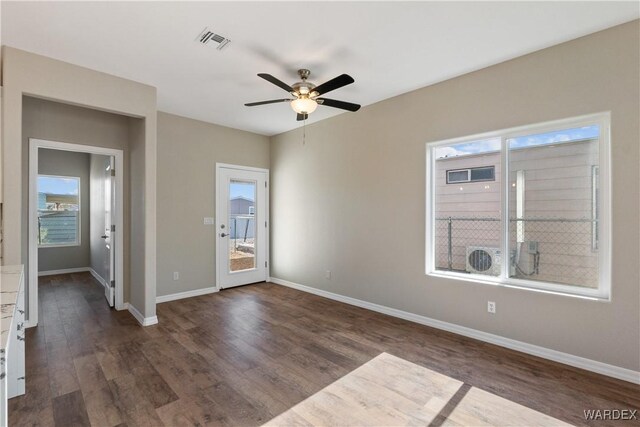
(281, 84)
(273, 101)
(333, 84)
(301, 117)
(338, 104)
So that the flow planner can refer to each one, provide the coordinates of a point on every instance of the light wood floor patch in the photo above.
(390, 391)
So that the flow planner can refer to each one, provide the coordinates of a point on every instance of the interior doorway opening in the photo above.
(75, 209)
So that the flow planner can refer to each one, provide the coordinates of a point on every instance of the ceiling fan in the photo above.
(306, 95)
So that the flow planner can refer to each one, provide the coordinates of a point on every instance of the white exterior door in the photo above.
(241, 225)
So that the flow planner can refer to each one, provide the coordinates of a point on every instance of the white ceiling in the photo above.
(389, 48)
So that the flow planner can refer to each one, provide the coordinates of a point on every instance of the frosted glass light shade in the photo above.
(304, 105)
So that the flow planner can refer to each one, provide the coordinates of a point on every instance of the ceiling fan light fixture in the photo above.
(306, 94)
(304, 105)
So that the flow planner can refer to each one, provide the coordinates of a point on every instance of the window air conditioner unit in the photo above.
(484, 260)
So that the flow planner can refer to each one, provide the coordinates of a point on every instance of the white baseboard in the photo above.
(63, 271)
(144, 321)
(535, 350)
(99, 278)
(186, 294)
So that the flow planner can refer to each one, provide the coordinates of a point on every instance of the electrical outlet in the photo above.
(491, 307)
(327, 274)
(176, 275)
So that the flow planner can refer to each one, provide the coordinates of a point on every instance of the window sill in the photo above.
(70, 245)
(525, 285)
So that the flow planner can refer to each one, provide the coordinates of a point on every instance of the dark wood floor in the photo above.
(245, 355)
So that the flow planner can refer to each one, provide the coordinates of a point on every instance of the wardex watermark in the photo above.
(610, 414)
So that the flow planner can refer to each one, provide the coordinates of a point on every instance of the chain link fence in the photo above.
(558, 250)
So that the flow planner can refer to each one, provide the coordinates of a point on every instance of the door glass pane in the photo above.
(553, 206)
(242, 225)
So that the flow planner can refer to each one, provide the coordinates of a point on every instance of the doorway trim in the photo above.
(34, 145)
(219, 215)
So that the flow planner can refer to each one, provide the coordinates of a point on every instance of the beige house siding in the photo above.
(558, 203)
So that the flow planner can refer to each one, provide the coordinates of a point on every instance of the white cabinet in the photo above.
(15, 351)
(12, 361)
(3, 388)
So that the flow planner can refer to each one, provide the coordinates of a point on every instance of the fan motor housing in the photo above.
(304, 88)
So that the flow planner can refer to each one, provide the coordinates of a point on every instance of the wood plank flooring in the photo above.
(246, 355)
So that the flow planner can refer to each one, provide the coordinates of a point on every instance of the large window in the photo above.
(536, 214)
(58, 211)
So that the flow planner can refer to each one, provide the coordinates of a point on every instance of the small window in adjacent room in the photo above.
(471, 175)
(529, 207)
(454, 177)
(483, 174)
(58, 211)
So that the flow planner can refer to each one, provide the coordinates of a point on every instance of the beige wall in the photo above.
(335, 199)
(137, 244)
(25, 73)
(188, 151)
(67, 163)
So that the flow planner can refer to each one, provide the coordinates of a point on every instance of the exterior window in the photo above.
(457, 176)
(471, 175)
(528, 207)
(58, 211)
(483, 174)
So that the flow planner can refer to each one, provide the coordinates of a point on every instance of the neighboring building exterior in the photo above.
(241, 217)
(57, 226)
(553, 194)
(241, 206)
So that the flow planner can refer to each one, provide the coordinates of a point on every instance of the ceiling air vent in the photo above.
(209, 38)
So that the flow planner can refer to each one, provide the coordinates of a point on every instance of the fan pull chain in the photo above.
(304, 131)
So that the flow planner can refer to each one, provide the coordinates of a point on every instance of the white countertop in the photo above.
(10, 281)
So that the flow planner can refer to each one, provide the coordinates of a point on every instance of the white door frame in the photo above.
(34, 146)
(220, 215)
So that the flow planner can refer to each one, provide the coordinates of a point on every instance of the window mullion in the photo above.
(504, 208)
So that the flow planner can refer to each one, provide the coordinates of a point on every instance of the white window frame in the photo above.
(603, 292)
(78, 241)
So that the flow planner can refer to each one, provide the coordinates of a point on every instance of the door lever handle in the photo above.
(103, 237)
(223, 234)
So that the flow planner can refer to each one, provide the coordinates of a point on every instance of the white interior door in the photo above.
(109, 233)
(241, 226)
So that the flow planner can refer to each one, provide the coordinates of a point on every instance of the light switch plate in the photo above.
(208, 221)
